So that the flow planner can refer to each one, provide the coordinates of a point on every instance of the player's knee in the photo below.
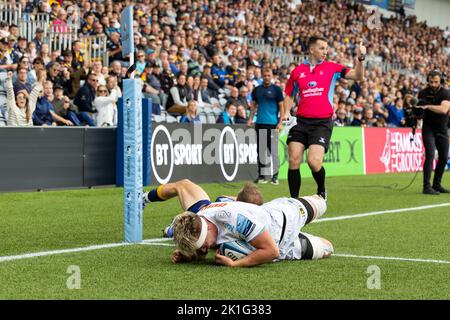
(315, 163)
(294, 162)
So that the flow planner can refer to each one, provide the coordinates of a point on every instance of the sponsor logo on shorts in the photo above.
(322, 140)
(302, 212)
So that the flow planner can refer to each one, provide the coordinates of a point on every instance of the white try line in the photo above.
(375, 213)
(159, 240)
(343, 255)
(54, 252)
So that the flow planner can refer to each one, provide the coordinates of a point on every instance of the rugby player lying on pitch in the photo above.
(272, 228)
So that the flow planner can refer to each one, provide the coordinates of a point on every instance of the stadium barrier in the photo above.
(27, 28)
(95, 48)
(47, 158)
(10, 13)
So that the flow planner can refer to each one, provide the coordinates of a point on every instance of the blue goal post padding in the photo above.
(147, 108)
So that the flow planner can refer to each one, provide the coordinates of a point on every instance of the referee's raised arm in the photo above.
(313, 83)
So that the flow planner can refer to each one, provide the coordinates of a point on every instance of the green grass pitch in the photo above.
(35, 222)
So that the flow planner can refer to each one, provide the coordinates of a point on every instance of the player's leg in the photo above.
(314, 248)
(315, 161)
(188, 193)
(295, 150)
(319, 140)
(315, 205)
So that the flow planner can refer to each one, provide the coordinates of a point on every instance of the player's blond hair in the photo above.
(187, 227)
(250, 193)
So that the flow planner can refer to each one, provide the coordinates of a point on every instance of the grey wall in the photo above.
(48, 158)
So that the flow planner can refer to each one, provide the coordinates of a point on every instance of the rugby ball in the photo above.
(235, 250)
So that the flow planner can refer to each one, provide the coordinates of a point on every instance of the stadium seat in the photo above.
(203, 117)
(211, 118)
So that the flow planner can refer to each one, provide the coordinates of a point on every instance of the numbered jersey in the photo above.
(282, 217)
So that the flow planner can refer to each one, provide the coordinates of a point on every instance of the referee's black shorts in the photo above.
(310, 131)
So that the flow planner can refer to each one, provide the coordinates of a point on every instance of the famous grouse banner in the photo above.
(391, 150)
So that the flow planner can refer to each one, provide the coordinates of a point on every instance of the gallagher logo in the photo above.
(312, 84)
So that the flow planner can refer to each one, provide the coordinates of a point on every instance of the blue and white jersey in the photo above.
(245, 221)
(235, 220)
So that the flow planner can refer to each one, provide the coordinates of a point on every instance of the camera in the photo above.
(413, 112)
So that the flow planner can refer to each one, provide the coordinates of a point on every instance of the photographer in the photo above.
(435, 101)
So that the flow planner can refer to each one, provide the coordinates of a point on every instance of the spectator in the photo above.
(44, 54)
(153, 87)
(84, 100)
(191, 114)
(227, 116)
(341, 118)
(369, 120)
(178, 97)
(59, 76)
(167, 77)
(63, 107)
(396, 116)
(379, 112)
(212, 86)
(268, 103)
(44, 114)
(116, 70)
(38, 39)
(204, 97)
(241, 115)
(21, 105)
(357, 118)
(115, 48)
(77, 55)
(140, 63)
(31, 51)
(21, 82)
(105, 104)
(244, 97)
(97, 67)
(218, 73)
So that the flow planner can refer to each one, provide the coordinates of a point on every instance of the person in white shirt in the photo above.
(105, 103)
(21, 105)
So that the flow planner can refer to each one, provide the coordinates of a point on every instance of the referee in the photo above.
(313, 83)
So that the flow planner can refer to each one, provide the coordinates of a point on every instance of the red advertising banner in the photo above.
(392, 150)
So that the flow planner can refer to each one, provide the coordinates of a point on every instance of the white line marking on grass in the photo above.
(375, 213)
(389, 258)
(53, 252)
(148, 243)
(159, 240)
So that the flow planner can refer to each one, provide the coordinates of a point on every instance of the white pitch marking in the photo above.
(148, 243)
(53, 252)
(375, 213)
(389, 258)
(158, 240)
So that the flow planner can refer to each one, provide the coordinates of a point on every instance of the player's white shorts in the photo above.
(288, 216)
(291, 214)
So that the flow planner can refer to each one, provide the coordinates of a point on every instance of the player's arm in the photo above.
(266, 251)
(357, 74)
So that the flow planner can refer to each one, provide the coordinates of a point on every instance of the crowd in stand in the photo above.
(193, 63)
